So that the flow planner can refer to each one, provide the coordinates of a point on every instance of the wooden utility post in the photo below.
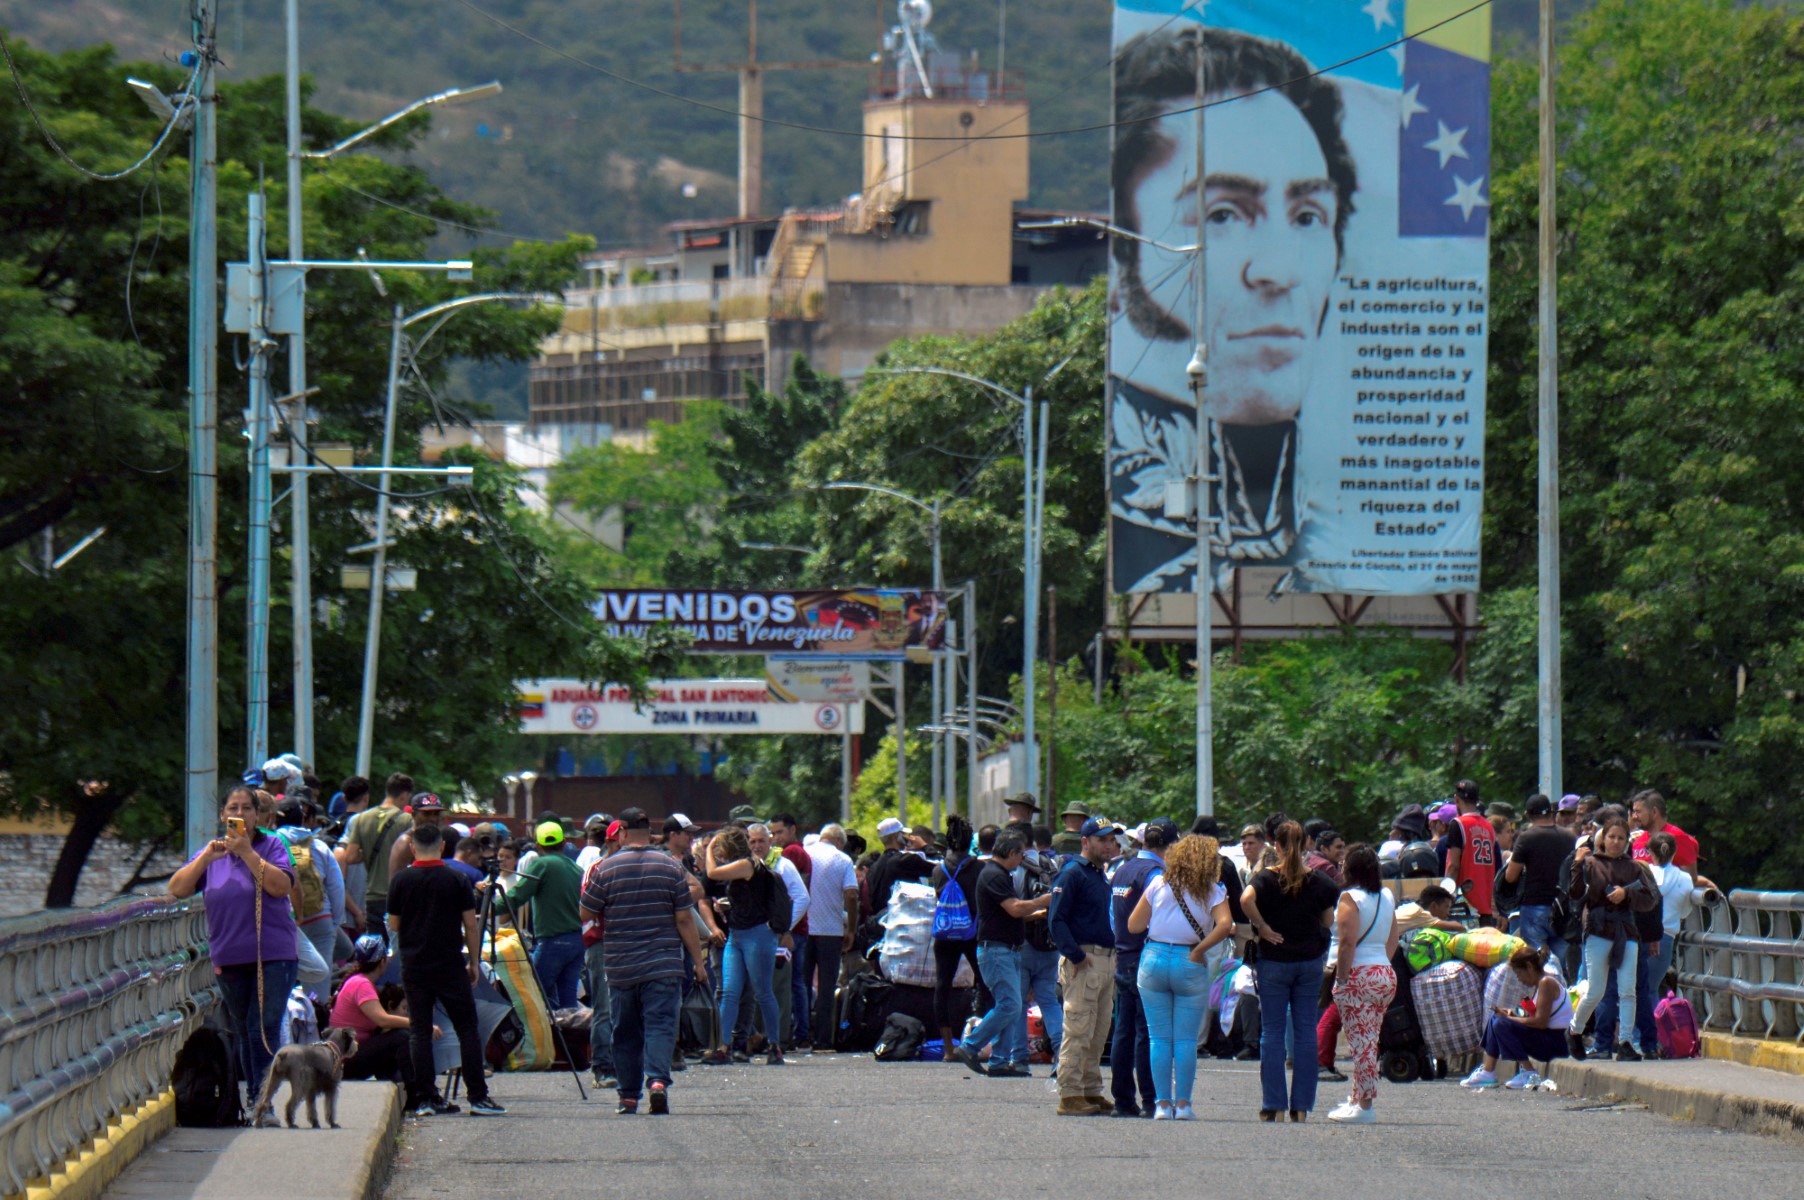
(751, 100)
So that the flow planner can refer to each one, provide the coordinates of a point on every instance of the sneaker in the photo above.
(1627, 1053)
(607, 1079)
(1247, 1054)
(1118, 1111)
(1329, 1075)
(740, 1056)
(1183, 1112)
(965, 1055)
(660, 1100)
(486, 1107)
(717, 1058)
(1524, 1081)
(1575, 1046)
(1162, 1111)
(626, 1108)
(774, 1058)
(1010, 1071)
(1352, 1114)
(1480, 1078)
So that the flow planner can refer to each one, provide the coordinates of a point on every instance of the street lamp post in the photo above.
(1032, 498)
(933, 512)
(366, 716)
(301, 559)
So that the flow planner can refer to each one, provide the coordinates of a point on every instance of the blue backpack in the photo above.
(952, 919)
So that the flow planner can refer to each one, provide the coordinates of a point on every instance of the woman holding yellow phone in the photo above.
(247, 876)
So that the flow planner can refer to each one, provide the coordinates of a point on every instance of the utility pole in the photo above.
(751, 100)
(301, 548)
(901, 745)
(201, 766)
(366, 724)
(971, 781)
(1205, 493)
(1052, 688)
(1548, 394)
(256, 651)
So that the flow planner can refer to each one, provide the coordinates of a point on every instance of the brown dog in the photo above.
(311, 1071)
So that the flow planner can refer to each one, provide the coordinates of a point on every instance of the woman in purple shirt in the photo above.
(247, 875)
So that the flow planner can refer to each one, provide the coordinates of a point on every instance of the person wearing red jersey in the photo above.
(1647, 812)
(1472, 853)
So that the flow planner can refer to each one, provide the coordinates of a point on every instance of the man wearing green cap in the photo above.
(1069, 840)
(553, 883)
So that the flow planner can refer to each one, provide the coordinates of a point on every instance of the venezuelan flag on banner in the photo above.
(1444, 135)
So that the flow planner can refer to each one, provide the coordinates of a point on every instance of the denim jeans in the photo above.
(645, 1027)
(601, 1012)
(1000, 967)
(1287, 1011)
(1616, 1022)
(1129, 1051)
(558, 962)
(239, 987)
(1040, 984)
(1649, 973)
(801, 996)
(1536, 928)
(749, 960)
(1175, 994)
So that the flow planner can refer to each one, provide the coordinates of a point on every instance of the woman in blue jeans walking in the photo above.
(1184, 914)
(1289, 907)
(751, 951)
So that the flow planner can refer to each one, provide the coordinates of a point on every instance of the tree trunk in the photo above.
(92, 813)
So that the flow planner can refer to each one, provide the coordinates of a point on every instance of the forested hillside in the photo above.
(568, 148)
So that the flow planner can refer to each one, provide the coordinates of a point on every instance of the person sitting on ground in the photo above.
(382, 1045)
(1541, 1034)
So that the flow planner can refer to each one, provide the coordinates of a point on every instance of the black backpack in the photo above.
(864, 1003)
(1037, 882)
(901, 1039)
(205, 1081)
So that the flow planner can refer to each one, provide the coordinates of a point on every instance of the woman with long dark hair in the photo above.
(1364, 982)
(1184, 914)
(247, 876)
(1289, 907)
(1612, 888)
(750, 956)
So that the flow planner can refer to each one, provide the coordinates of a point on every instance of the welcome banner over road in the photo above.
(867, 624)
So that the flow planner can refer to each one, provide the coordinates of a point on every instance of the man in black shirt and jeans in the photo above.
(432, 913)
(1001, 930)
(1540, 849)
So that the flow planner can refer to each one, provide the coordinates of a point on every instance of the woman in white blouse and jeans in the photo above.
(1184, 914)
(1366, 930)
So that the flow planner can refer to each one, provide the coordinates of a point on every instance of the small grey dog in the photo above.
(311, 1071)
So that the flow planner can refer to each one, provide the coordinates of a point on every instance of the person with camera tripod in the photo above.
(553, 883)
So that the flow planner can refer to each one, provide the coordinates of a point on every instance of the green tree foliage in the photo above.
(93, 366)
(1682, 348)
(660, 495)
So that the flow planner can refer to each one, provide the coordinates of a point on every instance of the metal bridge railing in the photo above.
(1739, 961)
(94, 1005)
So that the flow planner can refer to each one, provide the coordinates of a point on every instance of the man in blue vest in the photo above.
(1130, 1051)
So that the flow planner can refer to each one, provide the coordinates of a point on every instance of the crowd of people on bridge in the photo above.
(1093, 943)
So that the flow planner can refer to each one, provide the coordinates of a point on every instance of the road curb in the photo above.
(377, 1155)
(86, 1174)
(1755, 1052)
(1706, 1106)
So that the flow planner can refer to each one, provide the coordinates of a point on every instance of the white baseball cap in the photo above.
(889, 827)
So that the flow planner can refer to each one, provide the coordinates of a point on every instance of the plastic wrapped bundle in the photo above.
(906, 952)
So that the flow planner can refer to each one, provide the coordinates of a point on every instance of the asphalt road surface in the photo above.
(829, 1127)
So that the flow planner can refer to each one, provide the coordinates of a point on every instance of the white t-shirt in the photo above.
(587, 857)
(798, 891)
(1675, 895)
(1168, 923)
(833, 874)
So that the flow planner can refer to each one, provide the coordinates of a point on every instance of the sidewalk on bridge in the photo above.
(348, 1163)
(1720, 1089)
